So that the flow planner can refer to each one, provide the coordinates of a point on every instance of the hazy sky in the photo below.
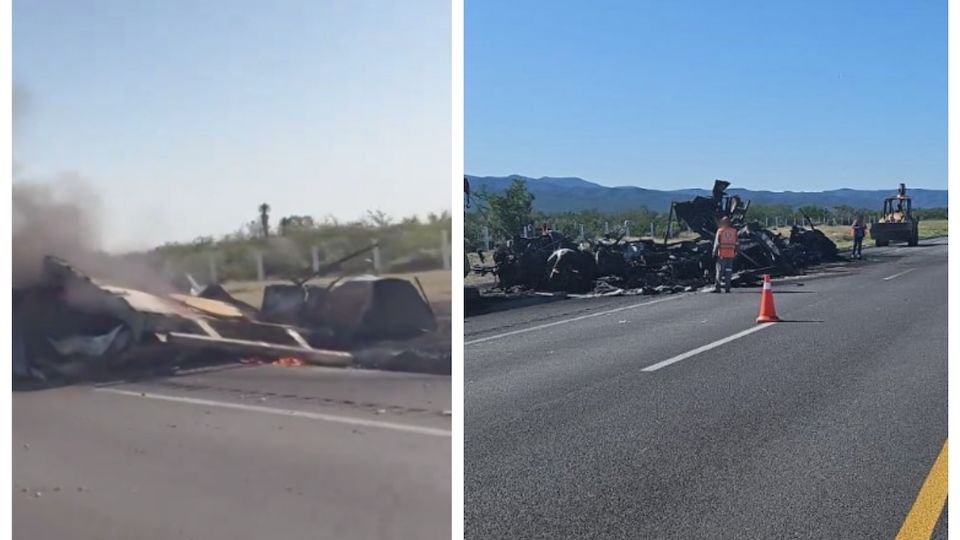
(801, 94)
(185, 116)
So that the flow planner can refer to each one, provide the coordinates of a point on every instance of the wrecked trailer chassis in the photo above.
(647, 264)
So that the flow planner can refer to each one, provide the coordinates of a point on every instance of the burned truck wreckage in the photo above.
(68, 326)
(613, 264)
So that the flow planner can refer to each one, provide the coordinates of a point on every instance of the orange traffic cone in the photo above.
(768, 313)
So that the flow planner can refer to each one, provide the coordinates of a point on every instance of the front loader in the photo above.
(897, 222)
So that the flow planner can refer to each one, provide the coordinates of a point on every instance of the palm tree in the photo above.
(265, 219)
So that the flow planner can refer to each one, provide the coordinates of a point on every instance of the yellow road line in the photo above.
(926, 510)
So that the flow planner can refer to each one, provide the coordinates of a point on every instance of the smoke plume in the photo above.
(60, 217)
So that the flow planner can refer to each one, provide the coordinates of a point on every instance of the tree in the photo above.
(265, 219)
(291, 224)
(930, 213)
(510, 211)
(379, 219)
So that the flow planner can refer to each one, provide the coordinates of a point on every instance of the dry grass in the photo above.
(933, 227)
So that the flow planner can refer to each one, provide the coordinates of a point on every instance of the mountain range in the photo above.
(573, 194)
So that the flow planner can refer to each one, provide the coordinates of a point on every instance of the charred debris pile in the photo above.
(70, 326)
(615, 265)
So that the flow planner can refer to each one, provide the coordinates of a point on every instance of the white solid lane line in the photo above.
(420, 430)
(898, 274)
(705, 348)
(565, 321)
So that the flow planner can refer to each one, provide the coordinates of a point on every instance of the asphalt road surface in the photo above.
(679, 417)
(249, 452)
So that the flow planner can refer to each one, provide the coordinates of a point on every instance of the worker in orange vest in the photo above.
(725, 250)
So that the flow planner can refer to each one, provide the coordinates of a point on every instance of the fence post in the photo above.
(258, 258)
(376, 256)
(582, 237)
(445, 249)
(606, 227)
(315, 257)
(213, 267)
(653, 230)
(168, 271)
(486, 238)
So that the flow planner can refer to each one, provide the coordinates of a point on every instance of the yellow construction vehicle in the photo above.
(896, 223)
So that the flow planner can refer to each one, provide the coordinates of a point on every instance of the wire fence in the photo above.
(281, 258)
(486, 240)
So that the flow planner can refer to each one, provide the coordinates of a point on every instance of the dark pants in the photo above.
(858, 247)
(724, 273)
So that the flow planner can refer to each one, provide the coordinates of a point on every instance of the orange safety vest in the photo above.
(727, 242)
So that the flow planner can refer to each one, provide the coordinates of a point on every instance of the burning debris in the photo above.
(69, 326)
(614, 265)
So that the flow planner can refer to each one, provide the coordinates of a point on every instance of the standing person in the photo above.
(859, 232)
(725, 250)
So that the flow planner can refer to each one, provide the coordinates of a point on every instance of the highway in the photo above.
(240, 452)
(679, 417)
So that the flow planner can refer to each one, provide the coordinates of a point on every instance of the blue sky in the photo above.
(793, 95)
(185, 116)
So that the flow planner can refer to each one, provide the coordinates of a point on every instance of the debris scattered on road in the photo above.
(69, 326)
(614, 265)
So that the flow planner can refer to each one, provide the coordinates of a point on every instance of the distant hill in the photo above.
(574, 194)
